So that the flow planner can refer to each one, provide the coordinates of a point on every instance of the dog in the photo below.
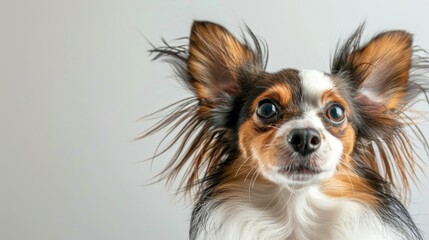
(295, 154)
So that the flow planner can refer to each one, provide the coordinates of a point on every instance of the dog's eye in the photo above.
(266, 109)
(335, 113)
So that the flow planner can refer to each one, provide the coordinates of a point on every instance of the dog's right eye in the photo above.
(266, 109)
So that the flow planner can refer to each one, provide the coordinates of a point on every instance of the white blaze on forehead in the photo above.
(314, 84)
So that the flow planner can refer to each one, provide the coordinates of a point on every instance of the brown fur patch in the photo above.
(257, 145)
(347, 184)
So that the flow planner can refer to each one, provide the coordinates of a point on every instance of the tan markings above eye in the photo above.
(279, 93)
(331, 96)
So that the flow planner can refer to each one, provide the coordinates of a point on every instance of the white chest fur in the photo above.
(272, 214)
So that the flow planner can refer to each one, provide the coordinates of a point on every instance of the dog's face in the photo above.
(297, 130)
(295, 127)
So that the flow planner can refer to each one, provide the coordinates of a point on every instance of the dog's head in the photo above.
(295, 127)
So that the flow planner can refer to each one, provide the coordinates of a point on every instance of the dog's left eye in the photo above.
(266, 109)
(335, 113)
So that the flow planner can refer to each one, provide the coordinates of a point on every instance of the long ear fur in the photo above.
(209, 67)
(387, 74)
(215, 57)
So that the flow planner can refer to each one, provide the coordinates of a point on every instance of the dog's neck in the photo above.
(261, 211)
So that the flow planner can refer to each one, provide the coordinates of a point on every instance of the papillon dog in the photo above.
(295, 154)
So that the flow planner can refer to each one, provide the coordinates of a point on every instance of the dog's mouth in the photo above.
(298, 174)
(299, 169)
(294, 170)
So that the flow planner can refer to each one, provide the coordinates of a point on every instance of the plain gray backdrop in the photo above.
(75, 77)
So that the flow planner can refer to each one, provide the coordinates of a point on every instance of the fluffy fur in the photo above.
(238, 146)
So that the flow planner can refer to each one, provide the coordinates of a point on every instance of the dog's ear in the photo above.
(379, 72)
(215, 58)
(381, 67)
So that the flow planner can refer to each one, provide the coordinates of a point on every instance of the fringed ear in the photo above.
(215, 58)
(381, 67)
(211, 66)
(379, 73)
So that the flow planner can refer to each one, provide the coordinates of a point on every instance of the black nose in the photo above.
(304, 140)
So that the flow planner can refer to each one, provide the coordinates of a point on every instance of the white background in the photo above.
(75, 77)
